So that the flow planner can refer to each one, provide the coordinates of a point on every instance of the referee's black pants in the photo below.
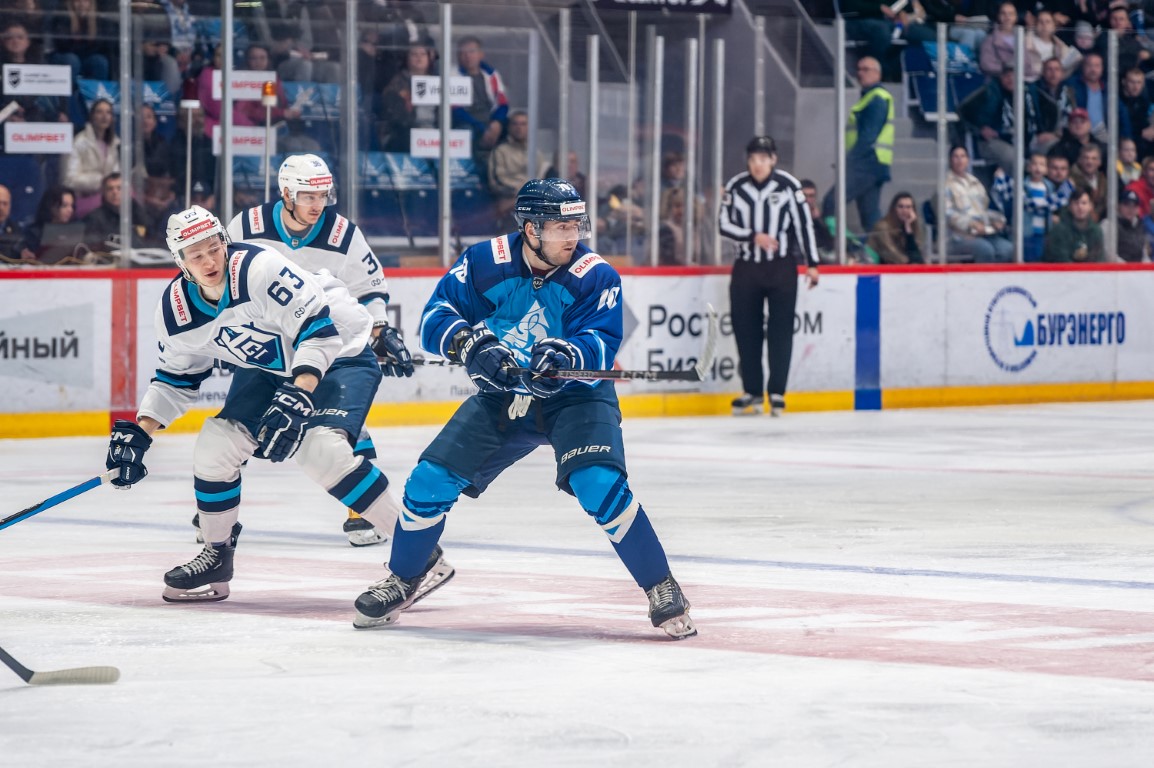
(751, 287)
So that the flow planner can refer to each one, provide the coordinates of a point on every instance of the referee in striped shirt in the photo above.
(764, 210)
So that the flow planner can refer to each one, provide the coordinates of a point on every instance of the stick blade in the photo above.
(77, 676)
(710, 349)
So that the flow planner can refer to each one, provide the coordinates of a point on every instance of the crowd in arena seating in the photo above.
(1066, 126)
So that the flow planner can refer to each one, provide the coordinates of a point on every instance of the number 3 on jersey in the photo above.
(281, 294)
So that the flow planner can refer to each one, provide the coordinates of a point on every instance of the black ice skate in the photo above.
(385, 600)
(746, 405)
(361, 532)
(776, 405)
(211, 569)
(669, 609)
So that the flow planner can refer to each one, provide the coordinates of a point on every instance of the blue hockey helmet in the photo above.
(542, 200)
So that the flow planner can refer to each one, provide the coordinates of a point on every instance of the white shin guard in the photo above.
(217, 527)
(326, 457)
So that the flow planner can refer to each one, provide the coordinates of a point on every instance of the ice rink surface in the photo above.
(970, 587)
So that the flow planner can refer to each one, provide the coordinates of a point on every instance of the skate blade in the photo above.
(753, 410)
(437, 577)
(680, 627)
(209, 594)
(361, 621)
(366, 538)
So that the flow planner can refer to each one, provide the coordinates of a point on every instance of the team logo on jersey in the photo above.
(256, 220)
(338, 231)
(252, 346)
(179, 309)
(533, 327)
(587, 262)
(500, 246)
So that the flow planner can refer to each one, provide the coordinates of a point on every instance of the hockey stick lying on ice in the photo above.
(63, 496)
(696, 373)
(77, 676)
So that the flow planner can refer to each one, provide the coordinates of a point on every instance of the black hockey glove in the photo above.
(393, 356)
(283, 425)
(485, 359)
(126, 449)
(549, 356)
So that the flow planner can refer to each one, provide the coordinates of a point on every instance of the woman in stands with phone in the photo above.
(57, 208)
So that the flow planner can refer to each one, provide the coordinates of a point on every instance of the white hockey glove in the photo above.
(283, 425)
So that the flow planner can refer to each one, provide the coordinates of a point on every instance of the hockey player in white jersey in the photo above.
(304, 382)
(304, 226)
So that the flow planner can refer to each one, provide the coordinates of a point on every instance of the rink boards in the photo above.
(76, 346)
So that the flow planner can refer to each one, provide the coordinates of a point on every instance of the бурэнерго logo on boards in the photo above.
(1016, 328)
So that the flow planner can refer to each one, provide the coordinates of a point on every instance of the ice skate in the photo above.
(669, 609)
(361, 532)
(211, 569)
(776, 405)
(196, 526)
(384, 600)
(746, 405)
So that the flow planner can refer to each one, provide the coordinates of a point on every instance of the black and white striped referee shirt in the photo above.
(777, 208)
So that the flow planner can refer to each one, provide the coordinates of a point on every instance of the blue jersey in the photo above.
(492, 284)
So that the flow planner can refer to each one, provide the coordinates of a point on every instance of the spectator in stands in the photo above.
(102, 224)
(1131, 51)
(1058, 184)
(57, 206)
(1144, 187)
(1090, 93)
(16, 48)
(897, 237)
(1087, 173)
(672, 170)
(1076, 237)
(95, 154)
(1084, 37)
(1135, 111)
(869, 146)
(975, 230)
(509, 166)
(962, 30)
(203, 165)
(186, 43)
(1077, 135)
(872, 23)
(821, 231)
(11, 233)
(671, 235)
(156, 63)
(487, 115)
(1056, 100)
(398, 113)
(997, 50)
(1036, 204)
(1093, 13)
(572, 173)
(1133, 245)
(1129, 168)
(621, 226)
(1044, 40)
(285, 28)
(30, 15)
(990, 111)
(84, 40)
(156, 169)
(256, 58)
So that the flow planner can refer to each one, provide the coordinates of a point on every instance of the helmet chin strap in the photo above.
(540, 249)
(292, 212)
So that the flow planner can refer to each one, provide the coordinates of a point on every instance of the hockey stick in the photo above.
(696, 373)
(76, 676)
(63, 496)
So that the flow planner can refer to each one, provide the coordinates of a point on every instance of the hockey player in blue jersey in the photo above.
(302, 340)
(541, 300)
(305, 228)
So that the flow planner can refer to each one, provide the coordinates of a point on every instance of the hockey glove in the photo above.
(549, 356)
(486, 360)
(283, 425)
(126, 449)
(393, 356)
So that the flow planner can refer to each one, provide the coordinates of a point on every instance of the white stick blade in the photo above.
(710, 348)
(78, 676)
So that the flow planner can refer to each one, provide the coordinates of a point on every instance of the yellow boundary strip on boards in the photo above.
(68, 424)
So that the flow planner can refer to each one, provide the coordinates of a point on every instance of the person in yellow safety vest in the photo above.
(869, 146)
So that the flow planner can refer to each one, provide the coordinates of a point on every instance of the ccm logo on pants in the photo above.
(585, 449)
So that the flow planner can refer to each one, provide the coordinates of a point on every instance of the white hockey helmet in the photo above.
(189, 227)
(306, 173)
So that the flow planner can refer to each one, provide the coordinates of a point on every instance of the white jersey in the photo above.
(273, 316)
(334, 243)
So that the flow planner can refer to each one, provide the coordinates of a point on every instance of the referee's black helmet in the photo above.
(764, 144)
